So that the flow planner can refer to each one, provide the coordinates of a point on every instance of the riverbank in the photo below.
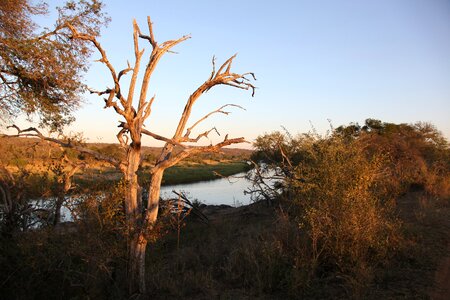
(38, 162)
(189, 172)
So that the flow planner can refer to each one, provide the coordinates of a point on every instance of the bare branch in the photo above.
(204, 134)
(213, 68)
(227, 64)
(156, 55)
(148, 109)
(173, 160)
(110, 103)
(124, 71)
(34, 132)
(151, 37)
(219, 110)
(100, 93)
(161, 138)
(249, 73)
(138, 55)
(104, 59)
(216, 78)
(120, 136)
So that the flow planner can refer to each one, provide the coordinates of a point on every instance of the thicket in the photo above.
(339, 193)
(334, 228)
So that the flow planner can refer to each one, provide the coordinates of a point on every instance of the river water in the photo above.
(229, 191)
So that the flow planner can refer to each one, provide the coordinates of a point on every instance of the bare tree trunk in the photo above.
(133, 190)
(137, 243)
(58, 205)
(136, 260)
(63, 191)
(140, 222)
(153, 196)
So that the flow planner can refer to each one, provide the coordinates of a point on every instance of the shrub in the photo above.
(341, 204)
(341, 207)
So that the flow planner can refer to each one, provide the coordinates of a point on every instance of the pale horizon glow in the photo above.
(315, 61)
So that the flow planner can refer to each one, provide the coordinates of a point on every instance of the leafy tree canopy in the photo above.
(40, 68)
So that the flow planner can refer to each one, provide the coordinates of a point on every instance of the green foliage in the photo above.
(418, 155)
(361, 213)
(42, 68)
(343, 211)
(341, 191)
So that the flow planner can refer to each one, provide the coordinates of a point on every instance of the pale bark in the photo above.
(133, 206)
(140, 221)
(153, 197)
(136, 264)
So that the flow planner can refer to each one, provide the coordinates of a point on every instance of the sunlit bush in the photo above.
(341, 190)
(351, 228)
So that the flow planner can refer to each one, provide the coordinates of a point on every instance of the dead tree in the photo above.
(64, 172)
(141, 220)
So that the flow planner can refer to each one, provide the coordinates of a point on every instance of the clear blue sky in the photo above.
(314, 60)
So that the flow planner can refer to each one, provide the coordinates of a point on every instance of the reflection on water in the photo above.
(229, 191)
(220, 191)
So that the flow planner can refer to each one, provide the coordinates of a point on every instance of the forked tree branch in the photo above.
(173, 160)
(138, 55)
(109, 102)
(125, 71)
(104, 60)
(151, 37)
(161, 138)
(222, 76)
(219, 110)
(201, 135)
(157, 52)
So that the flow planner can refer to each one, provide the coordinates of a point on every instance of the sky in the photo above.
(315, 62)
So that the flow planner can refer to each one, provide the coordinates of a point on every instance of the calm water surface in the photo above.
(228, 191)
